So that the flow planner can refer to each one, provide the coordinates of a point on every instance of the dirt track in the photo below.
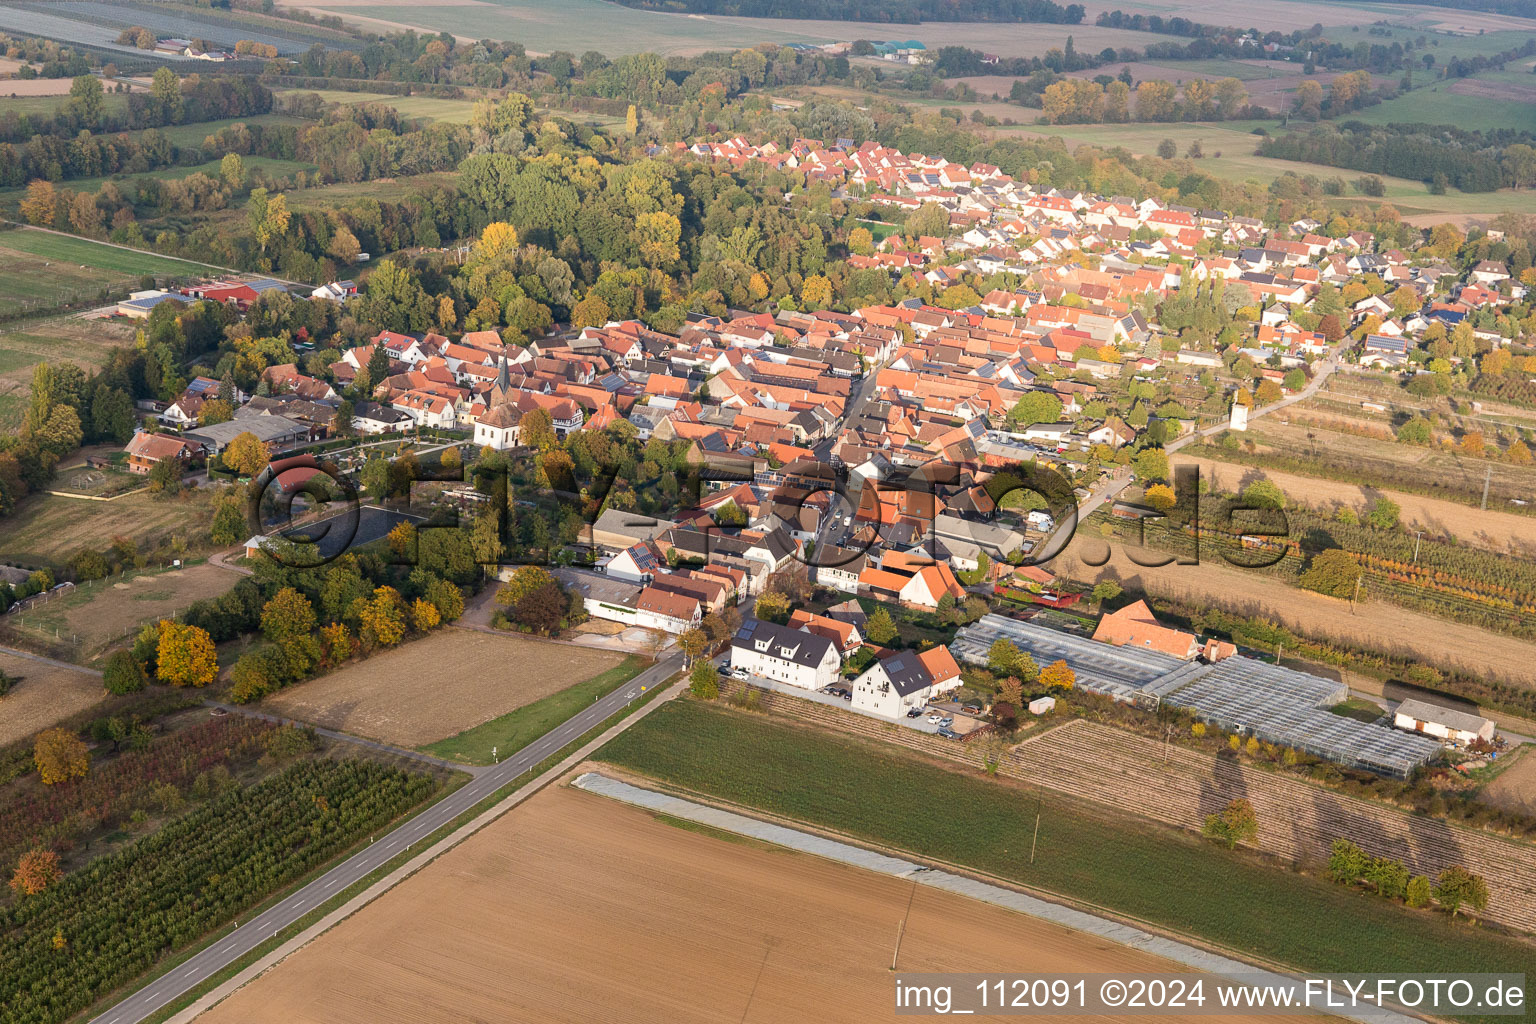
(438, 686)
(574, 908)
(1497, 531)
(1375, 624)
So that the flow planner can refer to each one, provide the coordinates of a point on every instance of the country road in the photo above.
(251, 933)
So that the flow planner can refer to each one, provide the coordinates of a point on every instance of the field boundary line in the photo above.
(921, 863)
(96, 497)
(217, 995)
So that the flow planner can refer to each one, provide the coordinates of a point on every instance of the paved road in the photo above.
(253, 932)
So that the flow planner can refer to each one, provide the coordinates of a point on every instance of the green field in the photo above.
(518, 728)
(1164, 876)
(433, 107)
(1437, 104)
(40, 271)
(1235, 142)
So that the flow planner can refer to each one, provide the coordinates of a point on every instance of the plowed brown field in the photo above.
(45, 695)
(438, 686)
(574, 908)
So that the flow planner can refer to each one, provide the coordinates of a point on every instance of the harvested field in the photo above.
(46, 694)
(1298, 820)
(35, 86)
(503, 929)
(104, 610)
(1515, 787)
(1498, 531)
(1375, 624)
(438, 686)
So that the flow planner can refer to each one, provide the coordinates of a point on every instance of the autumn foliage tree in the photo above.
(1236, 823)
(36, 871)
(60, 755)
(1058, 675)
(185, 655)
(382, 617)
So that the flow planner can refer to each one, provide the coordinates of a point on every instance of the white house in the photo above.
(631, 603)
(905, 680)
(786, 655)
(373, 418)
(1444, 723)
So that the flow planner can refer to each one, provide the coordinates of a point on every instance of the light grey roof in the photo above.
(1462, 721)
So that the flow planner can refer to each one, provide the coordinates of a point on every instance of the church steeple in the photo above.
(503, 387)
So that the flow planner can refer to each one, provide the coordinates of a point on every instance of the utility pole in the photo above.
(1418, 536)
(1487, 476)
(1036, 838)
(1356, 596)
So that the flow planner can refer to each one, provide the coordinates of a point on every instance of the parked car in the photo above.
(946, 722)
(915, 713)
(972, 709)
(935, 718)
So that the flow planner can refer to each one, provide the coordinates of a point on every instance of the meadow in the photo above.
(1164, 876)
(431, 107)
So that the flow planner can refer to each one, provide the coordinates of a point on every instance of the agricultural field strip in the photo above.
(960, 885)
(1298, 820)
(1119, 769)
(211, 959)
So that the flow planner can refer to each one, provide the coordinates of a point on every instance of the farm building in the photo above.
(1442, 722)
(1237, 694)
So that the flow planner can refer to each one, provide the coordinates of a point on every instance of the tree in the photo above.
(1308, 102)
(1167, 149)
(861, 242)
(815, 293)
(1267, 392)
(382, 618)
(41, 203)
(542, 610)
(1415, 431)
(1155, 101)
(1237, 823)
(1384, 514)
(336, 643)
(245, 454)
(36, 871)
(1388, 877)
(1152, 465)
(1457, 887)
(525, 579)
(1346, 862)
(656, 236)
(1106, 590)
(424, 615)
(704, 681)
(879, 627)
(165, 90)
(1264, 494)
(773, 606)
(632, 121)
(1003, 657)
(692, 642)
(287, 616)
(537, 430)
(1058, 675)
(60, 755)
(232, 170)
(1418, 892)
(185, 655)
(1332, 572)
(1160, 497)
(1036, 407)
(402, 538)
(123, 673)
(591, 311)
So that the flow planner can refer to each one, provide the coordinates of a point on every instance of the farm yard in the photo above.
(96, 613)
(1373, 625)
(46, 694)
(438, 686)
(1163, 875)
(739, 927)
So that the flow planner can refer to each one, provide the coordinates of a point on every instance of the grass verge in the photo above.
(1166, 877)
(521, 726)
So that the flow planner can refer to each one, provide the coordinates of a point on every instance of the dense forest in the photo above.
(903, 12)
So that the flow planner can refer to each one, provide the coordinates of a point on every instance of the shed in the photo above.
(1442, 722)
